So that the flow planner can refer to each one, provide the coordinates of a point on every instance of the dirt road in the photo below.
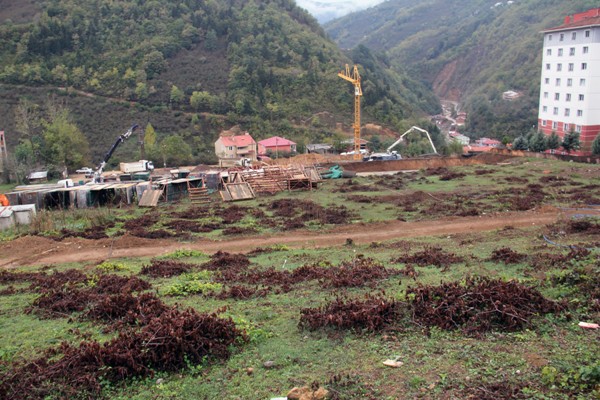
(33, 250)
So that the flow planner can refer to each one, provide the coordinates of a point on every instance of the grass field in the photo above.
(544, 356)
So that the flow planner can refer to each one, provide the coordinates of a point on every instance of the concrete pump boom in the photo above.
(389, 149)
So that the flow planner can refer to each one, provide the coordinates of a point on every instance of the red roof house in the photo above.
(231, 149)
(276, 145)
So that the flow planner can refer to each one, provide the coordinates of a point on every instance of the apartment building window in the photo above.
(548, 67)
(587, 34)
(549, 52)
(545, 108)
(586, 49)
(550, 37)
(572, 51)
(560, 51)
(567, 112)
(557, 81)
(555, 111)
(569, 82)
(574, 36)
(578, 128)
(581, 97)
(580, 113)
(561, 38)
(556, 96)
(571, 67)
(554, 125)
(566, 127)
(543, 122)
(568, 97)
(583, 66)
(582, 82)
(559, 67)
(545, 95)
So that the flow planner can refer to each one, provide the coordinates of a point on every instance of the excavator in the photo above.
(98, 173)
(392, 155)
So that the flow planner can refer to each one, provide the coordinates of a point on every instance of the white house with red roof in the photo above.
(276, 145)
(231, 149)
(570, 79)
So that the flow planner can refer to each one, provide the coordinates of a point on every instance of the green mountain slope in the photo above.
(469, 51)
(191, 68)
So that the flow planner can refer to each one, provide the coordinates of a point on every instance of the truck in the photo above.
(138, 166)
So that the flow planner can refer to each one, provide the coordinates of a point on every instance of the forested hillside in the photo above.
(189, 68)
(469, 51)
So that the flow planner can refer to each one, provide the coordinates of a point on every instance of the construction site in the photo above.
(310, 277)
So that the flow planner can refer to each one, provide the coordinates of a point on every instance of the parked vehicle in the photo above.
(85, 170)
(138, 166)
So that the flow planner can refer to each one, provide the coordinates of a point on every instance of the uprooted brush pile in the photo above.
(166, 268)
(479, 305)
(62, 300)
(507, 256)
(169, 342)
(431, 255)
(371, 315)
(358, 272)
(152, 336)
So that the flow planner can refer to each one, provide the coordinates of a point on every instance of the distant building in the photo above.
(38, 177)
(570, 79)
(511, 95)
(276, 145)
(460, 138)
(461, 118)
(487, 142)
(319, 148)
(349, 143)
(231, 149)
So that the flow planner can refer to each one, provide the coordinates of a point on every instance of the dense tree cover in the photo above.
(49, 139)
(264, 64)
(468, 50)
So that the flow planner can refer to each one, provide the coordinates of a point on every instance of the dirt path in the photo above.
(32, 250)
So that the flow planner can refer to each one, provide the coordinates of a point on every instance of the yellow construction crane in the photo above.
(354, 78)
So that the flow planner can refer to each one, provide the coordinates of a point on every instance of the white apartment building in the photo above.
(570, 85)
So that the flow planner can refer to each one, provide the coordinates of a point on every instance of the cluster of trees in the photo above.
(50, 139)
(539, 142)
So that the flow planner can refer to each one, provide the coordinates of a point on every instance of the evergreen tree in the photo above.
(538, 142)
(520, 143)
(571, 141)
(553, 141)
(596, 146)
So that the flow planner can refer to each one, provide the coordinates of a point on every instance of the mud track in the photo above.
(33, 250)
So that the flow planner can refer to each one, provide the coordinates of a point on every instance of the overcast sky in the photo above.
(325, 10)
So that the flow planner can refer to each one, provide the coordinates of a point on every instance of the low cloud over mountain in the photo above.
(326, 10)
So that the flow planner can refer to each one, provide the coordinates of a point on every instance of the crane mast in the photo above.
(354, 78)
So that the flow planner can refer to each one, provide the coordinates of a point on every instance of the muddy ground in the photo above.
(38, 250)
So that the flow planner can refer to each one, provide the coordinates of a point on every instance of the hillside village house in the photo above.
(230, 149)
(570, 82)
(276, 145)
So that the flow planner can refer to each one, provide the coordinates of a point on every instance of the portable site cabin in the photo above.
(12, 216)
